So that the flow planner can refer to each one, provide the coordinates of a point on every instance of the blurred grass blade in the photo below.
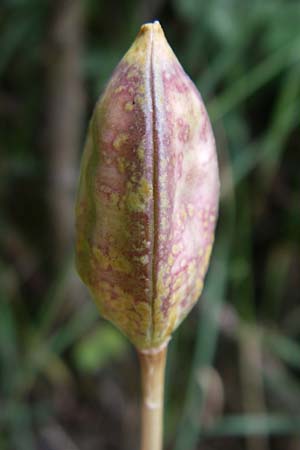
(55, 296)
(262, 148)
(43, 352)
(8, 345)
(20, 423)
(285, 348)
(74, 329)
(277, 268)
(222, 65)
(282, 385)
(253, 80)
(285, 117)
(11, 39)
(256, 424)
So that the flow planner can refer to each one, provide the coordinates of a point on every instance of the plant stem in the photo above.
(153, 364)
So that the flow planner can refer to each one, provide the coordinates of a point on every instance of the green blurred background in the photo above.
(69, 380)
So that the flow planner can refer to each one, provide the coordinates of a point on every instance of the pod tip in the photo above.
(151, 26)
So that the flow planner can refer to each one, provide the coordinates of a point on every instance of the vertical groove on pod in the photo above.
(155, 186)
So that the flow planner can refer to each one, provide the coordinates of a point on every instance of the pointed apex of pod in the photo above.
(148, 194)
(150, 28)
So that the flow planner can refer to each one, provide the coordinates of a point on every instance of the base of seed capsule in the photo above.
(155, 350)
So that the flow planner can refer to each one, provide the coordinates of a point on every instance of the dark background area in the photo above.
(69, 380)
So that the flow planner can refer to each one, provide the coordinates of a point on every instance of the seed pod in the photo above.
(148, 195)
